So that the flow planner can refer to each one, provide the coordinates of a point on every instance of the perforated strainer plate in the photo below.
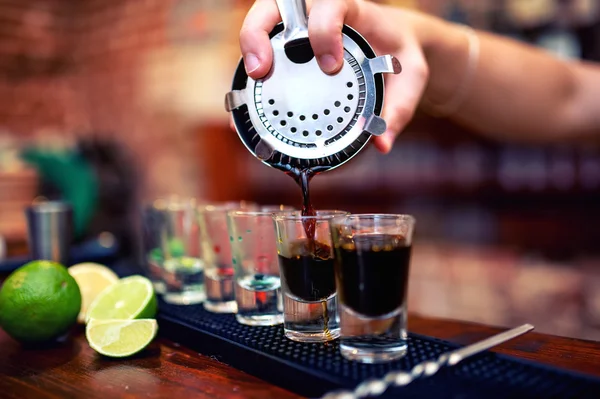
(327, 116)
(299, 116)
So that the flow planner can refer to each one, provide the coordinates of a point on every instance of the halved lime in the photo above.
(92, 279)
(120, 338)
(130, 298)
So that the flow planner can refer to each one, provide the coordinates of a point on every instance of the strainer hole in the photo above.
(293, 130)
(299, 51)
(290, 114)
(271, 101)
(326, 112)
(275, 112)
(340, 119)
(330, 127)
(350, 96)
(318, 132)
(349, 84)
(283, 123)
(302, 117)
(315, 116)
(305, 133)
(337, 103)
(347, 109)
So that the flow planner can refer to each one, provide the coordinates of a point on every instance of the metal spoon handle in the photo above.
(375, 387)
(473, 349)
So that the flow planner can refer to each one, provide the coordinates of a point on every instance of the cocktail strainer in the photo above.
(299, 117)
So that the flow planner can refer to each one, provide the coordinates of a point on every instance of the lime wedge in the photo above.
(130, 298)
(92, 279)
(120, 338)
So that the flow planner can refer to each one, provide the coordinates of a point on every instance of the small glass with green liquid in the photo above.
(176, 256)
(183, 280)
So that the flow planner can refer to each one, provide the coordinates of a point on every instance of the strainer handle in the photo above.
(293, 15)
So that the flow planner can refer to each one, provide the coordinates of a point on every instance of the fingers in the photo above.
(254, 37)
(403, 93)
(327, 18)
(325, 32)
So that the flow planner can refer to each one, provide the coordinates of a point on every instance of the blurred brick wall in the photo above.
(112, 37)
(75, 67)
(36, 81)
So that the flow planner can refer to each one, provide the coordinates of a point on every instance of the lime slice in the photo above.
(130, 298)
(120, 338)
(92, 279)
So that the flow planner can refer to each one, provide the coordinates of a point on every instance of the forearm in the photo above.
(517, 92)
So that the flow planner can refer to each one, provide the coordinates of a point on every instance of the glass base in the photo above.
(311, 321)
(184, 298)
(263, 320)
(221, 307)
(373, 356)
(313, 336)
(159, 287)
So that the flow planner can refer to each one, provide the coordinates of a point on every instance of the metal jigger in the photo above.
(50, 230)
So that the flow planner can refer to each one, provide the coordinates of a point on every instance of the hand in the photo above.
(389, 30)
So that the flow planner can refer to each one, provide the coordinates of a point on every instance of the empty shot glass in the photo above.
(372, 259)
(180, 248)
(307, 275)
(219, 272)
(257, 283)
(152, 257)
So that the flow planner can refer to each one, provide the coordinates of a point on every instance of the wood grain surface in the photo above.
(71, 369)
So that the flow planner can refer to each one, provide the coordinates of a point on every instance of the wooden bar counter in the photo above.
(166, 369)
(169, 370)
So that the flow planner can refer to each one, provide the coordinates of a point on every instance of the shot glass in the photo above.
(50, 230)
(180, 248)
(219, 271)
(372, 259)
(152, 256)
(256, 269)
(306, 267)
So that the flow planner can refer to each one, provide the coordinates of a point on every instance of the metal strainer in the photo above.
(299, 117)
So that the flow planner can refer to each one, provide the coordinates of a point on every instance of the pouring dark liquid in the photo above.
(309, 272)
(303, 178)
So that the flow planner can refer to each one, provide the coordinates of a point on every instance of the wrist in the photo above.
(448, 50)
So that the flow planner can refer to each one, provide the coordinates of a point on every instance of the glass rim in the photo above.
(227, 206)
(172, 203)
(325, 214)
(358, 217)
(249, 213)
(282, 207)
(50, 206)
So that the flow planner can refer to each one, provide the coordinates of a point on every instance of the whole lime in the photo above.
(39, 302)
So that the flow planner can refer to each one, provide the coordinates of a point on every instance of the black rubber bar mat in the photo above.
(314, 369)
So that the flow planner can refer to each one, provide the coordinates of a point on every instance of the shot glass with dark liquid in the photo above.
(256, 270)
(307, 275)
(216, 246)
(372, 259)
